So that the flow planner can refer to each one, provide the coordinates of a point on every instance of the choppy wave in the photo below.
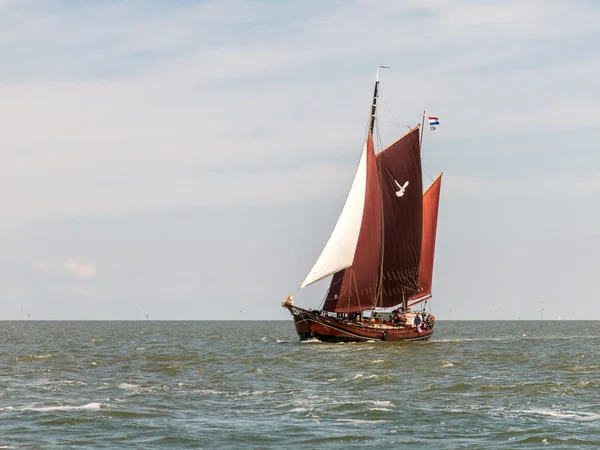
(234, 385)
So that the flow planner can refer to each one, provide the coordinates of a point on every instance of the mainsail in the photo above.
(431, 201)
(401, 193)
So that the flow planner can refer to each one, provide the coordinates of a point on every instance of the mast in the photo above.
(422, 128)
(371, 127)
(375, 96)
(352, 253)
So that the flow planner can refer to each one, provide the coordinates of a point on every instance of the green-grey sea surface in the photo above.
(146, 385)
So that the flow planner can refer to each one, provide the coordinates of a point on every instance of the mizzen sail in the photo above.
(431, 202)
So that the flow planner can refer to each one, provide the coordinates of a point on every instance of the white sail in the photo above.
(339, 251)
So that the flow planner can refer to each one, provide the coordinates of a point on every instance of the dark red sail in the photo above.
(333, 294)
(401, 194)
(431, 201)
(358, 289)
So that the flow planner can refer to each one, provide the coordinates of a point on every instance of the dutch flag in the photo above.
(433, 122)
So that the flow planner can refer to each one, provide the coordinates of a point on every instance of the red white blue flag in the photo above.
(433, 122)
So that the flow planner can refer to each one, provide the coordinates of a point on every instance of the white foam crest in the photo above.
(254, 393)
(359, 376)
(446, 364)
(380, 402)
(379, 409)
(72, 382)
(475, 339)
(210, 392)
(378, 361)
(89, 406)
(128, 387)
(40, 356)
(452, 340)
(308, 404)
(570, 415)
(360, 421)
(311, 341)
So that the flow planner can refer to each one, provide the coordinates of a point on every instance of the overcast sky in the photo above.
(188, 160)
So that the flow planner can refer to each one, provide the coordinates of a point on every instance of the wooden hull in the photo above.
(327, 329)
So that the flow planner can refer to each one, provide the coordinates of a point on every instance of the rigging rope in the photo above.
(401, 126)
(427, 173)
(391, 114)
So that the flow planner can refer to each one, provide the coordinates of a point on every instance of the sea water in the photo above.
(145, 385)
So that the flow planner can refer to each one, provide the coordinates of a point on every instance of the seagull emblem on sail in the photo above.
(401, 189)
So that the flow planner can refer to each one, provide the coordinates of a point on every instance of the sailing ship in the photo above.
(381, 251)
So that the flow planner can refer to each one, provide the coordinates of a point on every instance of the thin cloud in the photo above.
(80, 269)
(146, 118)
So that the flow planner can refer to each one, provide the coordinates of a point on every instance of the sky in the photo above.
(188, 160)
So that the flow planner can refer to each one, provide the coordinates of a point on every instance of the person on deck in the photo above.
(418, 323)
(426, 321)
(399, 319)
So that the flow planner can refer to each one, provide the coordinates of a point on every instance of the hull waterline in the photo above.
(310, 325)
